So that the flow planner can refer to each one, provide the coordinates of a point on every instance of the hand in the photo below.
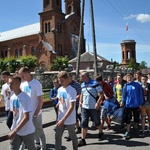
(60, 123)
(12, 134)
(97, 105)
(121, 104)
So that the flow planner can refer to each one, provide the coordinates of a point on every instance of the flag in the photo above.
(126, 26)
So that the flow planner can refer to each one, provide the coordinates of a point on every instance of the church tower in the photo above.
(128, 51)
(60, 30)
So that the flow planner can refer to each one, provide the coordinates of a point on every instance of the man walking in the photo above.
(34, 89)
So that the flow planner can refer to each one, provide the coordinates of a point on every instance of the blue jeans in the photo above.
(93, 113)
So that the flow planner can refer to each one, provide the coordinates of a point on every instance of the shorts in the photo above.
(90, 113)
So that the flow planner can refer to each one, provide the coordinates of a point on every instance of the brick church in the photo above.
(56, 34)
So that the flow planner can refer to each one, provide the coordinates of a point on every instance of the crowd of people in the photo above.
(99, 100)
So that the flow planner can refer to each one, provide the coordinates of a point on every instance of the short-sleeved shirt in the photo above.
(21, 104)
(33, 89)
(7, 93)
(93, 87)
(66, 96)
(77, 87)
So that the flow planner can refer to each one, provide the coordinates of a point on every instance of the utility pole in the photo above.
(94, 40)
(80, 40)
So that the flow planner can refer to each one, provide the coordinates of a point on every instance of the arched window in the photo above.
(6, 53)
(60, 49)
(46, 2)
(33, 49)
(48, 27)
(57, 2)
(123, 55)
(69, 10)
(16, 53)
(128, 55)
(2, 55)
(20, 52)
(45, 27)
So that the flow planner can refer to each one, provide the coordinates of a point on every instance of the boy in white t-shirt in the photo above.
(33, 88)
(5, 96)
(22, 129)
(67, 112)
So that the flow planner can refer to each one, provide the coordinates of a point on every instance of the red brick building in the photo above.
(55, 35)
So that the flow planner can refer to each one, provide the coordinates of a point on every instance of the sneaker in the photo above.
(127, 135)
(100, 136)
(82, 142)
(38, 146)
(142, 135)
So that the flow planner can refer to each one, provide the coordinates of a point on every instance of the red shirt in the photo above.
(107, 90)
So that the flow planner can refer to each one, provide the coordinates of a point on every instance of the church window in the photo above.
(59, 28)
(45, 27)
(57, 2)
(20, 52)
(48, 27)
(33, 49)
(46, 2)
(60, 49)
(16, 53)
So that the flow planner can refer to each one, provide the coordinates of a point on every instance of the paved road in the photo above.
(113, 139)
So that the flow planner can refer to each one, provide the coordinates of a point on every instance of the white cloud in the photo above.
(143, 17)
(139, 17)
(130, 17)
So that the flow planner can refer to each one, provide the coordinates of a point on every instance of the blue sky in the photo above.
(110, 18)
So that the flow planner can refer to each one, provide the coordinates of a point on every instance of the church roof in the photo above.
(20, 32)
(88, 57)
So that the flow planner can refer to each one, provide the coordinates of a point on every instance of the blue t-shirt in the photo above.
(94, 88)
(53, 94)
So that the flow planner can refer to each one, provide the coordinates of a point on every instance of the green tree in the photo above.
(12, 64)
(59, 63)
(132, 64)
(3, 65)
(143, 65)
(29, 61)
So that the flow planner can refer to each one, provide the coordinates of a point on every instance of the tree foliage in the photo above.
(132, 64)
(59, 63)
(12, 64)
(29, 61)
(143, 65)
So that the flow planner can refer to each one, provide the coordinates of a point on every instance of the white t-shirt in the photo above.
(66, 96)
(33, 89)
(7, 93)
(21, 104)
